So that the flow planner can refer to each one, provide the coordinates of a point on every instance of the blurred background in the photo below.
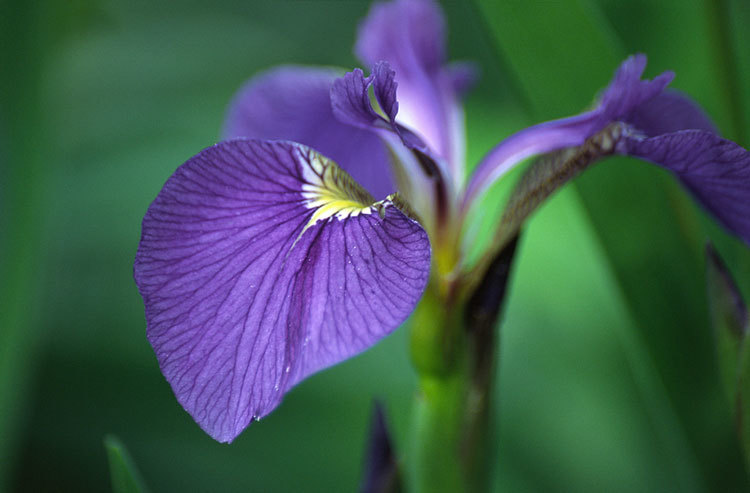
(607, 376)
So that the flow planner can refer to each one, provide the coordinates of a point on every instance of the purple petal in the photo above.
(293, 103)
(351, 103)
(261, 263)
(716, 170)
(410, 35)
(350, 100)
(384, 88)
(381, 471)
(668, 112)
(625, 93)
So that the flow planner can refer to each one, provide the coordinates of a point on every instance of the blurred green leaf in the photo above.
(124, 475)
(730, 323)
(726, 24)
(743, 406)
(718, 15)
(22, 183)
(562, 53)
(729, 320)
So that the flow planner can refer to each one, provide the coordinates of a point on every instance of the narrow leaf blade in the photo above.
(729, 320)
(124, 475)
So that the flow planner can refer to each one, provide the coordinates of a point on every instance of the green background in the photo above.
(607, 378)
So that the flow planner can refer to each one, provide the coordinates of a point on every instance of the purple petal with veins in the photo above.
(294, 103)
(715, 170)
(261, 263)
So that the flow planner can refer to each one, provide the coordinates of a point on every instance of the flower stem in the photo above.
(453, 343)
(439, 354)
(438, 412)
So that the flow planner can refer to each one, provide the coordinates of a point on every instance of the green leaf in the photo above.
(562, 53)
(742, 410)
(124, 475)
(729, 318)
(22, 156)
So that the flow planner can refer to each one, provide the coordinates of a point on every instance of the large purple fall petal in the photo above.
(410, 35)
(625, 93)
(261, 263)
(716, 170)
(293, 103)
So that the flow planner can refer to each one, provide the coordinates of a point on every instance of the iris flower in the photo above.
(312, 231)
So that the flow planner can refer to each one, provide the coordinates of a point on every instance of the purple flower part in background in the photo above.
(261, 263)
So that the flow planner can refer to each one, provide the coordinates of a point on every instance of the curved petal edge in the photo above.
(715, 170)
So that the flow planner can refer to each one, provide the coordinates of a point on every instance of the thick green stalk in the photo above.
(453, 344)
(437, 351)
(437, 464)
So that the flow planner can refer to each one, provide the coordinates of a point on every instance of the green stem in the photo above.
(453, 343)
(436, 462)
(439, 352)
(452, 410)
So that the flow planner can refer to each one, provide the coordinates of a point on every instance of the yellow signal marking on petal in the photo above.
(331, 191)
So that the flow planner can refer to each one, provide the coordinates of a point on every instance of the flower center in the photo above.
(331, 191)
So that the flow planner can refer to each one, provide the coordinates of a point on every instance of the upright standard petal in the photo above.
(294, 103)
(625, 93)
(261, 263)
(715, 170)
(410, 35)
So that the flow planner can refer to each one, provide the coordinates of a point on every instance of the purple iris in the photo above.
(262, 261)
